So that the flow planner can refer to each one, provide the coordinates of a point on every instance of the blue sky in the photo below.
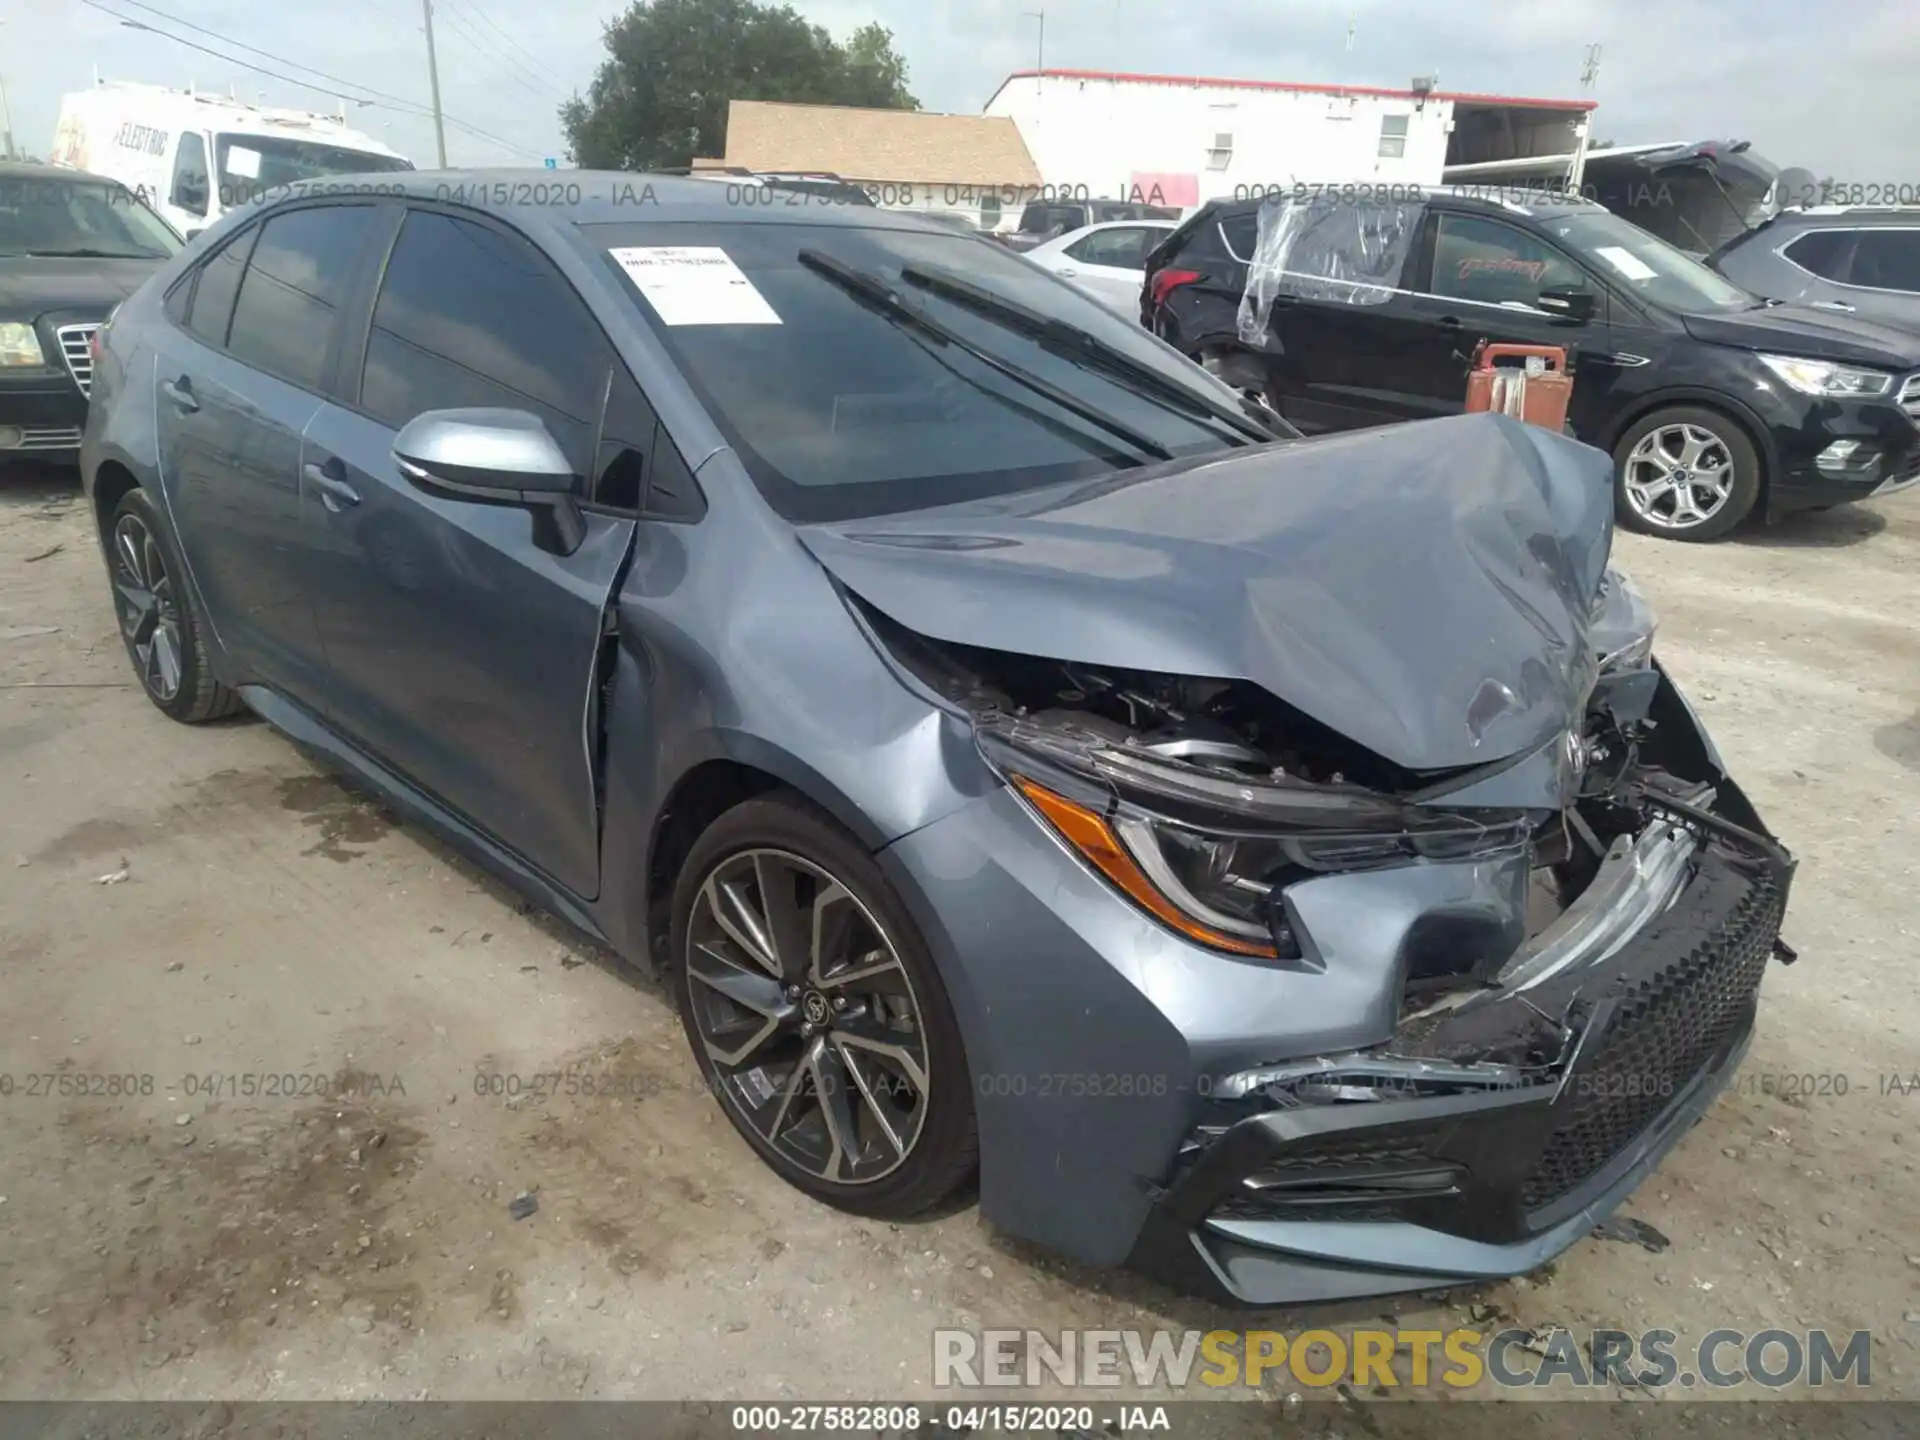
(1829, 87)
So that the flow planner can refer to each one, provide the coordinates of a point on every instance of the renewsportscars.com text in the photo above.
(1457, 1359)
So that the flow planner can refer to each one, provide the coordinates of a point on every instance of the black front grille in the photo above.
(1663, 1031)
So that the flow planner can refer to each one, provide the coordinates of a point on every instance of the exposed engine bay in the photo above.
(1212, 803)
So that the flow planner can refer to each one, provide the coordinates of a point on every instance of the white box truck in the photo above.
(193, 156)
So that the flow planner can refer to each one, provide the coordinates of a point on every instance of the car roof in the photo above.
(609, 197)
(33, 170)
(1815, 217)
(1490, 200)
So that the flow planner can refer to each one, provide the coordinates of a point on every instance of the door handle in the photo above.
(1067, 270)
(1840, 305)
(180, 392)
(1448, 322)
(335, 493)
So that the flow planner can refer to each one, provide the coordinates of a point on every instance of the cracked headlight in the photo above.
(1823, 377)
(1207, 853)
(20, 347)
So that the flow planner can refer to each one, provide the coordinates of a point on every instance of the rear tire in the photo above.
(800, 974)
(160, 621)
(1685, 473)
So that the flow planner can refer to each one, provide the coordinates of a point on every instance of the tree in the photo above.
(660, 98)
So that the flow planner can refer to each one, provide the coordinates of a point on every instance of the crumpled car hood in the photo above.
(1425, 590)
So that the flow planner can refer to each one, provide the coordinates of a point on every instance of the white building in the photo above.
(1192, 139)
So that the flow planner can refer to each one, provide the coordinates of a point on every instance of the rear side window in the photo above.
(289, 304)
(1824, 252)
(1241, 233)
(1887, 260)
(469, 315)
(1124, 248)
(219, 282)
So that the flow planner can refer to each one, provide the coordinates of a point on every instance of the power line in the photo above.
(524, 79)
(473, 7)
(391, 101)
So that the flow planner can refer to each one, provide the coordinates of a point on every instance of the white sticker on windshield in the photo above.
(1625, 261)
(694, 285)
(243, 162)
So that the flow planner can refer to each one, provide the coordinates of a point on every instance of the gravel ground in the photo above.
(179, 903)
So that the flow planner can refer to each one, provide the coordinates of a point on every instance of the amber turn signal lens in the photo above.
(1094, 839)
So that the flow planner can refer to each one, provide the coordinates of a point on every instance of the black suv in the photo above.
(1711, 400)
(1852, 260)
(72, 247)
(1042, 220)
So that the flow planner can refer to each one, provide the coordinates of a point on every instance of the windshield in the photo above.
(1644, 265)
(840, 409)
(250, 165)
(57, 216)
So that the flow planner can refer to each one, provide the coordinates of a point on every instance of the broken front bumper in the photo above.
(1485, 1138)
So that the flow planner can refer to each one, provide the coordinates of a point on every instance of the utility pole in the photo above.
(433, 82)
(1583, 127)
(1040, 45)
(6, 107)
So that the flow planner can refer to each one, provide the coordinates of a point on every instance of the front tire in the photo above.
(816, 1014)
(160, 622)
(1685, 473)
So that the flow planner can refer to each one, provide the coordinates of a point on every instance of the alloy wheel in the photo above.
(1678, 476)
(149, 611)
(808, 1016)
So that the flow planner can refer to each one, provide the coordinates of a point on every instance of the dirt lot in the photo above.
(171, 1243)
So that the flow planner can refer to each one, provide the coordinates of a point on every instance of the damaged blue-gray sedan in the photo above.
(1277, 864)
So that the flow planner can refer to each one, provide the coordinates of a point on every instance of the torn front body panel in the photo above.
(1424, 591)
(1409, 994)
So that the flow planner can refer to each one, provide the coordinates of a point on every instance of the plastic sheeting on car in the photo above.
(1325, 248)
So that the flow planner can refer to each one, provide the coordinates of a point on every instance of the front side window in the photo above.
(190, 174)
(296, 282)
(81, 219)
(1826, 253)
(1493, 263)
(1887, 260)
(471, 316)
(839, 408)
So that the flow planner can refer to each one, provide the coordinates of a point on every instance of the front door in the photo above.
(1483, 277)
(462, 653)
(234, 389)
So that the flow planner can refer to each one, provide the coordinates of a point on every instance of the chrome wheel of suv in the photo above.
(1678, 476)
(1686, 472)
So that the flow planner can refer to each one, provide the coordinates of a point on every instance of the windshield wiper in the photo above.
(1077, 345)
(875, 293)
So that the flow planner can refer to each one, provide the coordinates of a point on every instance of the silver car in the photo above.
(1279, 864)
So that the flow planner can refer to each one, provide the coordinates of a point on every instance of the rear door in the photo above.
(1339, 348)
(236, 385)
(1479, 279)
(462, 654)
